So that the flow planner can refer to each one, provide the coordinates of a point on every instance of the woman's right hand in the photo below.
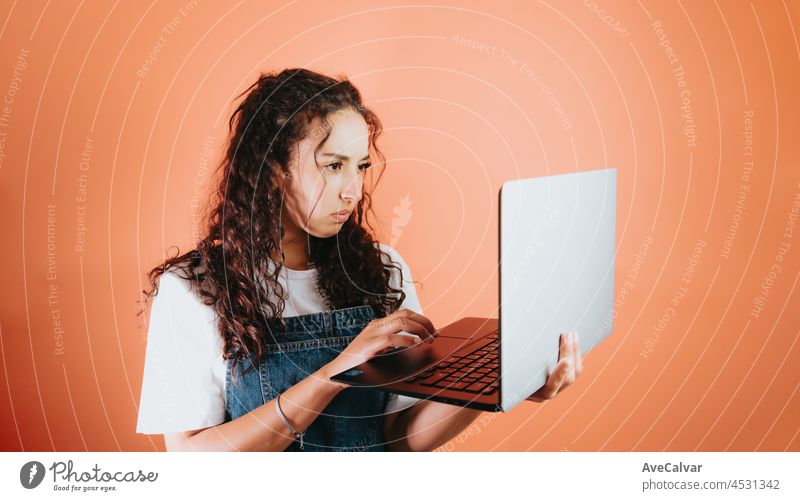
(380, 334)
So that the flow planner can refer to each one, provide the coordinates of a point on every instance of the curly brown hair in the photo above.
(229, 268)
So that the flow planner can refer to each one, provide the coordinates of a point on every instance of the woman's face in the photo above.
(315, 193)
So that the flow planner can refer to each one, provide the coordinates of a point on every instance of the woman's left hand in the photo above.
(569, 366)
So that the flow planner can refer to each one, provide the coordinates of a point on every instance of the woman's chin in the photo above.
(326, 232)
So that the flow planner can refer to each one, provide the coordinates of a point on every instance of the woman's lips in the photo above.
(341, 216)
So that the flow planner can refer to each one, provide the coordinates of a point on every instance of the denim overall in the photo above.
(353, 420)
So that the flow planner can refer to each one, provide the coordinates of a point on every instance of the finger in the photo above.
(394, 325)
(535, 398)
(561, 377)
(569, 351)
(571, 347)
(566, 376)
(413, 315)
(550, 388)
(564, 372)
(395, 340)
(555, 383)
(564, 349)
(413, 326)
(577, 356)
(573, 353)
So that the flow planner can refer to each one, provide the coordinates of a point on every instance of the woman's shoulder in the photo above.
(403, 279)
(178, 311)
(394, 258)
(393, 254)
(179, 288)
(174, 281)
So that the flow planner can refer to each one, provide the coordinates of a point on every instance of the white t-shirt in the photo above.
(183, 387)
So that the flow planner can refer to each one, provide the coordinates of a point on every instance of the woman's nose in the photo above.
(351, 192)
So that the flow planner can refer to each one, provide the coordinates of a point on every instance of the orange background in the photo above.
(556, 87)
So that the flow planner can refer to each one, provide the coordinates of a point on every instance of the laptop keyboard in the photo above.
(475, 372)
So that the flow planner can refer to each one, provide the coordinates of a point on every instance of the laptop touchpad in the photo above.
(401, 362)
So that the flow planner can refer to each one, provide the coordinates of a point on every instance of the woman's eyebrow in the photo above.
(343, 157)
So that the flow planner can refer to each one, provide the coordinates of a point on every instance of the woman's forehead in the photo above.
(349, 134)
(349, 137)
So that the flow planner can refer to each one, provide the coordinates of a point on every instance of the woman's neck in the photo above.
(295, 250)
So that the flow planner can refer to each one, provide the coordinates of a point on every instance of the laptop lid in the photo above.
(557, 245)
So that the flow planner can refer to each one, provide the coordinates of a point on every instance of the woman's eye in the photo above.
(338, 165)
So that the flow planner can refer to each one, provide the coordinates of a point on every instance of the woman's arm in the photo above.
(426, 426)
(262, 429)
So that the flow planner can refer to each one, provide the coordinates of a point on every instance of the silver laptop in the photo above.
(556, 263)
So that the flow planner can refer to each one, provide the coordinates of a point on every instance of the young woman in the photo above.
(288, 287)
